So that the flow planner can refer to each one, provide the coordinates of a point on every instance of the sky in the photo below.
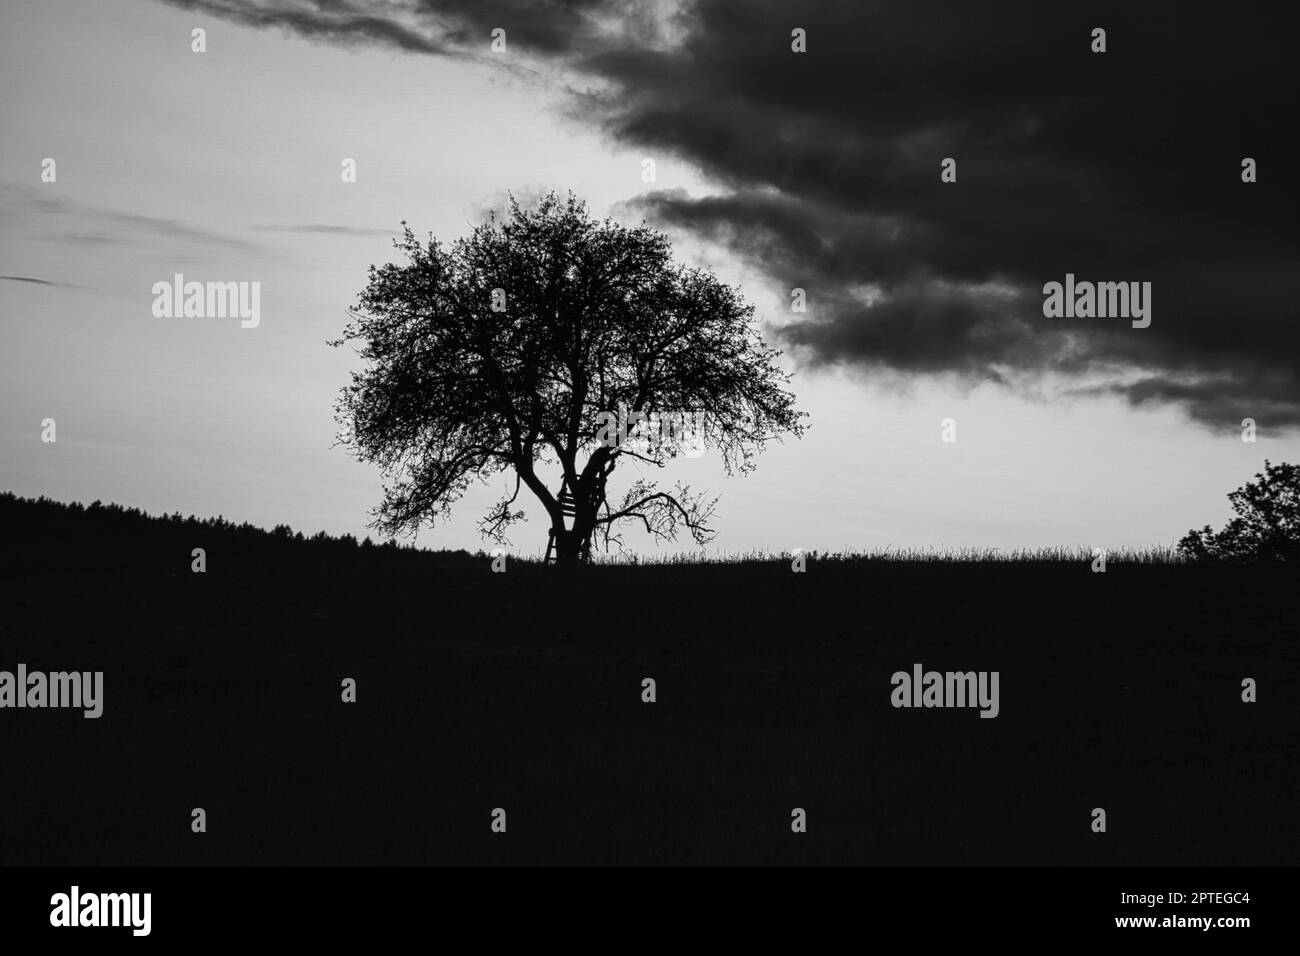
(817, 170)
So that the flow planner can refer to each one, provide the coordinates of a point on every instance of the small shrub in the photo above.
(1267, 526)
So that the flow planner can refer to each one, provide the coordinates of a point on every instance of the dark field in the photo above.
(522, 690)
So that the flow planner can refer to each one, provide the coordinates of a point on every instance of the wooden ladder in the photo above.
(568, 508)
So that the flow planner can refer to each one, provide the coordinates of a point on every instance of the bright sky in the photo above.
(212, 165)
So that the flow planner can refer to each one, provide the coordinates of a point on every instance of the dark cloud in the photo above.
(333, 21)
(1119, 166)
(1122, 166)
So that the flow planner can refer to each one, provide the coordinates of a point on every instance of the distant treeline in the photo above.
(42, 535)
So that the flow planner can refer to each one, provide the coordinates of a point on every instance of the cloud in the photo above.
(333, 21)
(325, 229)
(1122, 166)
(46, 282)
(107, 226)
(86, 239)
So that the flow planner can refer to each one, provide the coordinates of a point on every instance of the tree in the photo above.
(546, 337)
(1267, 526)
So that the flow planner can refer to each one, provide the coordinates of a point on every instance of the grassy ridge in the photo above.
(39, 531)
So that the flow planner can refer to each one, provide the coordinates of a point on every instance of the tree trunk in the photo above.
(568, 547)
(573, 546)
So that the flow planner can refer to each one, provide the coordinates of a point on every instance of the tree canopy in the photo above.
(541, 338)
(1267, 522)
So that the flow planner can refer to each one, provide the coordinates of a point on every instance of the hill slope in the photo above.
(523, 691)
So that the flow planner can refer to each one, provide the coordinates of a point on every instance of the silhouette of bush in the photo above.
(1267, 526)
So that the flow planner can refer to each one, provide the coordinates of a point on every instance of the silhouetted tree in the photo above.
(516, 345)
(1267, 525)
